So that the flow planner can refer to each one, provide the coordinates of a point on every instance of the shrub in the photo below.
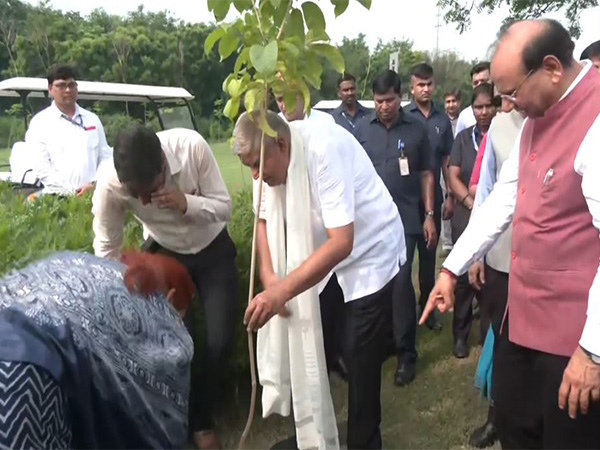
(32, 230)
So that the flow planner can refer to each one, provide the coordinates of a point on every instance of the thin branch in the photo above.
(285, 18)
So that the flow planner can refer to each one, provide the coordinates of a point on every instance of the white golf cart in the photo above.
(171, 104)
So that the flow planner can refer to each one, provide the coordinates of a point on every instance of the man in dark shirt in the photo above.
(350, 110)
(439, 131)
(398, 146)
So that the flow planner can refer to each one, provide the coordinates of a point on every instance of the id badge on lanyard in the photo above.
(403, 160)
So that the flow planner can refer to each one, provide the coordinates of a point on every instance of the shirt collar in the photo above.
(359, 108)
(59, 113)
(401, 118)
(587, 65)
(413, 107)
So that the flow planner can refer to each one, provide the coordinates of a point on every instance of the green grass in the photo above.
(236, 175)
(4, 155)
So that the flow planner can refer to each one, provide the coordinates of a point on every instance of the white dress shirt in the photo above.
(344, 189)
(194, 170)
(315, 116)
(66, 152)
(466, 119)
(496, 214)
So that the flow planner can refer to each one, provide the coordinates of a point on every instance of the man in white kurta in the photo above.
(325, 209)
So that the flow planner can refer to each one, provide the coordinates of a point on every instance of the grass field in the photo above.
(4, 154)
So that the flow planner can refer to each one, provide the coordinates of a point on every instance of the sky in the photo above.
(415, 20)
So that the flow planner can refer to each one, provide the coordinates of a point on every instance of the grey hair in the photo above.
(247, 133)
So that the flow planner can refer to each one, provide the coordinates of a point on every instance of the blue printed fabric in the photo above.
(121, 361)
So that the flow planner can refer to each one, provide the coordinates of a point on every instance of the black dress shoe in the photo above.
(405, 374)
(460, 350)
(433, 323)
(484, 436)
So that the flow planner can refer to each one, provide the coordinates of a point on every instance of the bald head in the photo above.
(540, 49)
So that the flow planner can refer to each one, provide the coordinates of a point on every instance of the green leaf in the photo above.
(332, 54)
(313, 70)
(264, 59)
(316, 35)
(212, 39)
(228, 43)
(290, 98)
(250, 99)
(275, 3)
(295, 26)
(264, 126)
(232, 107)
(305, 94)
(287, 46)
(242, 5)
(234, 88)
(313, 16)
(241, 60)
(219, 8)
(340, 6)
(365, 3)
(226, 81)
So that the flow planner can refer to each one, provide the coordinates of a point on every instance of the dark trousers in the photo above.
(463, 309)
(404, 306)
(331, 301)
(427, 262)
(493, 298)
(214, 273)
(366, 330)
(525, 388)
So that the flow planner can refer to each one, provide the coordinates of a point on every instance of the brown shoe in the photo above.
(206, 440)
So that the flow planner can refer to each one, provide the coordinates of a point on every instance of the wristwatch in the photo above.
(428, 214)
(595, 358)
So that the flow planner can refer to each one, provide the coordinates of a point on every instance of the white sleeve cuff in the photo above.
(590, 338)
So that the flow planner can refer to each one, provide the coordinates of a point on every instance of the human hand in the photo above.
(448, 208)
(430, 232)
(477, 275)
(88, 187)
(265, 305)
(441, 296)
(580, 384)
(170, 197)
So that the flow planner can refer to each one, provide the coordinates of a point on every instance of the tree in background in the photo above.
(459, 11)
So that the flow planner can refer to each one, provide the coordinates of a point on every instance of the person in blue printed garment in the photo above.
(92, 353)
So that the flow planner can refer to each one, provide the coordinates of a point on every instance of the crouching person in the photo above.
(171, 183)
(325, 210)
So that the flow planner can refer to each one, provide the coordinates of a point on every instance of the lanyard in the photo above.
(474, 140)
(74, 120)
(348, 119)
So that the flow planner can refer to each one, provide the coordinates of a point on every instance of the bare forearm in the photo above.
(427, 189)
(264, 253)
(446, 173)
(315, 268)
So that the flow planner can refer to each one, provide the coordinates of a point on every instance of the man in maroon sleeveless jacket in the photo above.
(547, 374)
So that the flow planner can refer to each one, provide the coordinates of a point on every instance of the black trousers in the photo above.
(214, 273)
(427, 261)
(525, 388)
(404, 306)
(331, 301)
(366, 330)
(463, 309)
(493, 298)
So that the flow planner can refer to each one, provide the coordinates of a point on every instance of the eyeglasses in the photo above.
(513, 97)
(63, 86)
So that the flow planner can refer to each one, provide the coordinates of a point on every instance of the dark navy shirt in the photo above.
(441, 137)
(343, 118)
(381, 144)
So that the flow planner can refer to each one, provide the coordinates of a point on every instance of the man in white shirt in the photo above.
(67, 143)
(480, 73)
(357, 234)
(546, 377)
(171, 183)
